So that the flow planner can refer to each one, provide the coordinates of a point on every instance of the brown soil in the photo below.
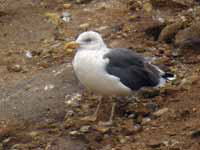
(33, 119)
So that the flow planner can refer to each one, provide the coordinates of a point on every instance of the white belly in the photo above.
(89, 67)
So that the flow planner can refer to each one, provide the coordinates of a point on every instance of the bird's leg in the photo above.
(110, 121)
(94, 116)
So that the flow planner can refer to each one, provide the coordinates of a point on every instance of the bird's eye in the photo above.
(88, 40)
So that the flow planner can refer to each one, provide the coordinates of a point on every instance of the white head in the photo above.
(90, 41)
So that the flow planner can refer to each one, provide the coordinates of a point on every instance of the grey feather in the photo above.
(132, 69)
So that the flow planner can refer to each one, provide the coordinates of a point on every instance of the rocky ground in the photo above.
(42, 105)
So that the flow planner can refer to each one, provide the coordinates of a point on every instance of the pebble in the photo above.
(160, 112)
(122, 140)
(74, 133)
(102, 129)
(69, 113)
(137, 128)
(102, 28)
(73, 100)
(7, 140)
(132, 18)
(148, 7)
(67, 5)
(85, 129)
(14, 68)
(49, 87)
(84, 26)
(29, 54)
(34, 134)
(189, 37)
(169, 31)
(146, 120)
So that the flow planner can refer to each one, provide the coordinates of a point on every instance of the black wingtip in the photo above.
(169, 76)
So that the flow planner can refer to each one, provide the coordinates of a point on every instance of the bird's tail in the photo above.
(166, 77)
(169, 76)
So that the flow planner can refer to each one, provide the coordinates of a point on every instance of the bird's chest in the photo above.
(91, 72)
(89, 68)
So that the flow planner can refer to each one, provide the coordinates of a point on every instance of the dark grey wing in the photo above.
(132, 69)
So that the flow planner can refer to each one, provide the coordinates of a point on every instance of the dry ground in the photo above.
(34, 91)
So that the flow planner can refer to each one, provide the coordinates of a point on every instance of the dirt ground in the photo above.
(41, 103)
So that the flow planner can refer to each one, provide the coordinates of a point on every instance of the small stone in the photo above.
(7, 140)
(67, 5)
(137, 128)
(148, 7)
(84, 129)
(49, 87)
(84, 26)
(189, 37)
(14, 68)
(161, 112)
(102, 129)
(73, 133)
(122, 140)
(168, 33)
(152, 28)
(102, 28)
(34, 134)
(146, 120)
(69, 113)
(29, 54)
(132, 18)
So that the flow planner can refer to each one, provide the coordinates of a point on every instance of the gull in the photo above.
(113, 71)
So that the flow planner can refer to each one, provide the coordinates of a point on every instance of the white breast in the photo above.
(89, 67)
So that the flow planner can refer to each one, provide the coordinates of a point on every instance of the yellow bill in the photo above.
(72, 45)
